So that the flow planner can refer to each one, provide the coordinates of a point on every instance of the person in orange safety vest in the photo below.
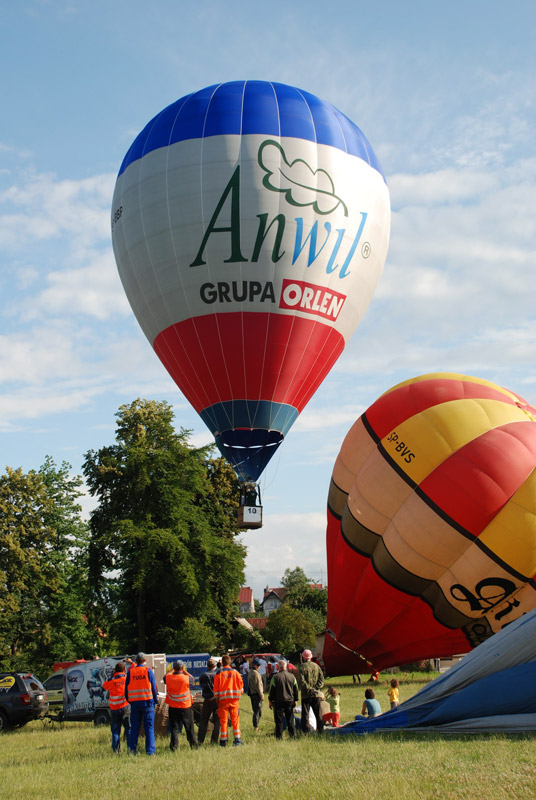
(119, 707)
(179, 700)
(228, 686)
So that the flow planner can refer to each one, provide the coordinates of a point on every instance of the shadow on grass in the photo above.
(435, 736)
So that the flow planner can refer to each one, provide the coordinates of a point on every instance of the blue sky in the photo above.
(444, 93)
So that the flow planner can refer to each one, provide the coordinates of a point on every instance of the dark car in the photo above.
(22, 698)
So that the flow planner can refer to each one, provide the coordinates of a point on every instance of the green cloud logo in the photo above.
(301, 185)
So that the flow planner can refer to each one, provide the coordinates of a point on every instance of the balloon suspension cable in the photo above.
(354, 652)
(276, 469)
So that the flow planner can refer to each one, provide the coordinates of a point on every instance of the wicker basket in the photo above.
(161, 714)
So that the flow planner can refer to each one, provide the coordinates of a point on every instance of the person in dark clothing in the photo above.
(249, 493)
(180, 702)
(209, 711)
(282, 698)
(311, 680)
(256, 693)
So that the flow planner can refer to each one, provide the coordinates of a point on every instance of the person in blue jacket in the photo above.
(141, 693)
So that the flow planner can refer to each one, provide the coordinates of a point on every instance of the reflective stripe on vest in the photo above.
(139, 685)
(228, 685)
(178, 690)
(116, 690)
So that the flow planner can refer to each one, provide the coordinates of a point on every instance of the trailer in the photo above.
(195, 663)
(84, 697)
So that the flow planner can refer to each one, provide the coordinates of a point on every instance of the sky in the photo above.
(445, 95)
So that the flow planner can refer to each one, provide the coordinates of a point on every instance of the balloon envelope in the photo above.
(250, 225)
(431, 533)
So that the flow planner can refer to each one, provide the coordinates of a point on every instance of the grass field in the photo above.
(74, 760)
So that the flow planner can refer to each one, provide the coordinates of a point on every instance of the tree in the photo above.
(163, 545)
(42, 579)
(297, 586)
(25, 566)
(246, 639)
(302, 593)
(288, 630)
(70, 635)
(194, 637)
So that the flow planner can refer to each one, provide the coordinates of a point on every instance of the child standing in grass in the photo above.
(393, 693)
(333, 698)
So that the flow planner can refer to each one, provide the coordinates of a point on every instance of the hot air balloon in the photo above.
(250, 224)
(75, 681)
(431, 535)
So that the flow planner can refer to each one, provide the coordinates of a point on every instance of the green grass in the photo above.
(74, 761)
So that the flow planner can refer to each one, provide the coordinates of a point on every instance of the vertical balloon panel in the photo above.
(250, 225)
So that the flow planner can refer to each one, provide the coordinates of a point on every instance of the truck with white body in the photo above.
(84, 697)
(195, 663)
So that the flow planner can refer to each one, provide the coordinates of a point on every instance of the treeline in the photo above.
(157, 567)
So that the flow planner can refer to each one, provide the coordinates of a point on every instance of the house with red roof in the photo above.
(274, 597)
(246, 603)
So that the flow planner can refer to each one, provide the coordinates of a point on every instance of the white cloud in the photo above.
(202, 439)
(319, 419)
(50, 208)
(285, 541)
(439, 188)
(93, 290)
(22, 404)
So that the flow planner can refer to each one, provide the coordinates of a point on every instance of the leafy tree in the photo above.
(297, 586)
(245, 639)
(288, 630)
(194, 637)
(257, 614)
(26, 570)
(163, 545)
(301, 594)
(42, 578)
(69, 634)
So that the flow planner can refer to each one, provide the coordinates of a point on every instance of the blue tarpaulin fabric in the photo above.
(492, 688)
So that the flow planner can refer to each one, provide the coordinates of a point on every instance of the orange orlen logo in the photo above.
(302, 296)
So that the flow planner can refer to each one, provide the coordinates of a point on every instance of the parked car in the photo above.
(54, 689)
(22, 699)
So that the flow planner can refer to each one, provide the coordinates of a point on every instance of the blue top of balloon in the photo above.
(244, 107)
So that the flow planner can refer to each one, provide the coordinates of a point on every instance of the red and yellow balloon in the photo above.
(431, 534)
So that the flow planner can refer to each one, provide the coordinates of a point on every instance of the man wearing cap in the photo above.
(311, 680)
(180, 702)
(256, 692)
(283, 697)
(209, 710)
(141, 693)
(228, 687)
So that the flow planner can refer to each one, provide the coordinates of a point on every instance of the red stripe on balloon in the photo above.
(215, 358)
(400, 404)
(376, 620)
(475, 482)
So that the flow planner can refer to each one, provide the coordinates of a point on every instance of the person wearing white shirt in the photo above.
(262, 670)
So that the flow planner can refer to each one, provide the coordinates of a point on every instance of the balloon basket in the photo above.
(250, 517)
